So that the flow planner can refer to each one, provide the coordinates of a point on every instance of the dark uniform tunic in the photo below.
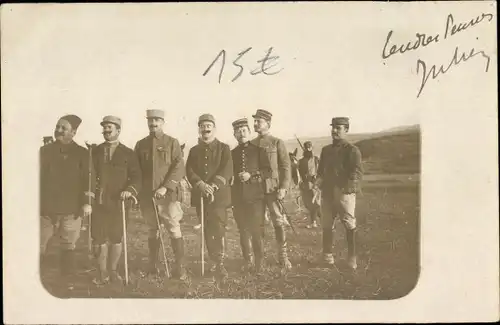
(211, 163)
(64, 189)
(117, 170)
(248, 197)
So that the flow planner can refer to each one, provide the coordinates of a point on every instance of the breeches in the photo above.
(169, 214)
(67, 227)
(338, 205)
(107, 225)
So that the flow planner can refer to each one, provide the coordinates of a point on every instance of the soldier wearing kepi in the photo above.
(277, 186)
(308, 168)
(251, 168)
(209, 168)
(162, 166)
(118, 178)
(339, 173)
(65, 196)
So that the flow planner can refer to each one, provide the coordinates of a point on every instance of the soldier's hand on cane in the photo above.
(125, 195)
(318, 182)
(160, 193)
(281, 194)
(86, 210)
(206, 189)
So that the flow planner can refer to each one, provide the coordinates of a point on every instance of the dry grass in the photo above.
(388, 266)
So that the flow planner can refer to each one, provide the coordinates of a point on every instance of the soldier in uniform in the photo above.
(339, 173)
(277, 186)
(65, 196)
(308, 168)
(251, 168)
(162, 166)
(209, 169)
(118, 178)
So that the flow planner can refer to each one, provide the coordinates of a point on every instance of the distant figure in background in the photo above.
(294, 166)
(308, 168)
(251, 168)
(65, 196)
(339, 173)
(47, 140)
(277, 186)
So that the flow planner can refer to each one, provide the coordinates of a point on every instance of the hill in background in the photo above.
(392, 151)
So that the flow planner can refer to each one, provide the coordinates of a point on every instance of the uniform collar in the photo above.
(210, 145)
(243, 145)
(157, 135)
(339, 142)
(113, 144)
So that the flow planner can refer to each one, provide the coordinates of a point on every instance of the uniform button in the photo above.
(206, 164)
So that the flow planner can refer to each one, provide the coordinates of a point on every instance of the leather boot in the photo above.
(258, 251)
(101, 253)
(351, 248)
(154, 247)
(282, 248)
(178, 248)
(114, 258)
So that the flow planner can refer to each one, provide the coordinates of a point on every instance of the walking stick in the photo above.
(124, 219)
(202, 236)
(161, 238)
(89, 238)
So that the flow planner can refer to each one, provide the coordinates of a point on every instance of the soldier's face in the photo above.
(206, 130)
(64, 132)
(260, 125)
(338, 131)
(155, 124)
(110, 131)
(242, 134)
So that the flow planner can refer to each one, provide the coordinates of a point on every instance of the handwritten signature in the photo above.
(423, 40)
(265, 64)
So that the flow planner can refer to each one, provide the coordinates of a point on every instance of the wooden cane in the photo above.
(125, 254)
(202, 236)
(161, 238)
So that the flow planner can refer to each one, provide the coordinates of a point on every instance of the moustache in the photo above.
(58, 134)
(205, 132)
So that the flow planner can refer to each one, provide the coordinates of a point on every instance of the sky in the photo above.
(124, 60)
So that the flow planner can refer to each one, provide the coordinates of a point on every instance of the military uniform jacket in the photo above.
(252, 159)
(161, 163)
(212, 164)
(64, 179)
(279, 160)
(304, 168)
(121, 173)
(340, 166)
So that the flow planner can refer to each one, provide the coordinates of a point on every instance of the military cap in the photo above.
(308, 144)
(261, 113)
(112, 119)
(205, 118)
(240, 122)
(155, 113)
(340, 121)
(73, 120)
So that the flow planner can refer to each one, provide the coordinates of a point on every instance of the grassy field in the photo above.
(388, 245)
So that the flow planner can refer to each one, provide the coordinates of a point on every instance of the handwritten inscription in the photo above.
(455, 60)
(423, 40)
(265, 65)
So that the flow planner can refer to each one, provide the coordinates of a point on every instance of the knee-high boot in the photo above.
(178, 248)
(351, 247)
(282, 247)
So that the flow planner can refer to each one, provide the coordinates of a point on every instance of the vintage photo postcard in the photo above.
(250, 162)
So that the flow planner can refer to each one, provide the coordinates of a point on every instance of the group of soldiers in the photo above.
(79, 183)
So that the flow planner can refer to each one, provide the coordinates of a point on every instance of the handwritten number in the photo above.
(265, 64)
(235, 62)
(223, 54)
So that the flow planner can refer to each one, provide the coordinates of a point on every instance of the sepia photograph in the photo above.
(250, 152)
